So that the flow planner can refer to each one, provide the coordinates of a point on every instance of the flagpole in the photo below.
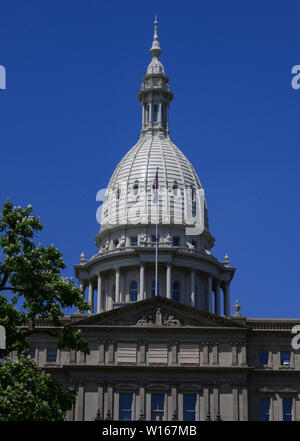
(156, 241)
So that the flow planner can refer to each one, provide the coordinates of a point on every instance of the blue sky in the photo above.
(70, 113)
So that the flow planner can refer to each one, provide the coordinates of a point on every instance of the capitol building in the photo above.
(166, 341)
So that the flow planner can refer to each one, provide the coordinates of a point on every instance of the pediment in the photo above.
(157, 312)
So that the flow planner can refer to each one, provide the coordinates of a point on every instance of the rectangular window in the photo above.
(157, 407)
(287, 409)
(265, 409)
(176, 241)
(285, 358)
(51, 355)
(134, 241)
(31, 353)
(125, 407)
(126, 353)
(194, 243)
(263, 358)
(116, 243)
(189, 353)
(158, 353)
(189, 407)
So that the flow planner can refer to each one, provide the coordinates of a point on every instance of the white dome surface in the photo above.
(130, 187)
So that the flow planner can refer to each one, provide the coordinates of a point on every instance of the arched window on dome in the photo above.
(193, 202)
(118, 193)
(153, 288)
(175, 188)
(176, 291)
(135, 188)
(133, 291)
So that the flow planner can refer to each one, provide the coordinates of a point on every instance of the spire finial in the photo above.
(155, 50)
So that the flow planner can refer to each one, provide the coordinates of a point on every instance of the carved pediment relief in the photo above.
(158, 318)
(157, 312)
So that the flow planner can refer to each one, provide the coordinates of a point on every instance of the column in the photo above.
(100, 398)
(151, 113)
(109, 408)
(143, 116)
(80, 402)
(209, 295)
(142, 401)
(117, 294)
(217, 298)
(235, 400)
(174, 409)
(234, 351)
(169, 272)
(142, 353)
(226, 300)
(244, 403)
(99, 298)
(159, 115)
(91, 296)
(243, 354)
(142, 280)
(216, 402)
(206, 396)
(82, 287)
(192, 287)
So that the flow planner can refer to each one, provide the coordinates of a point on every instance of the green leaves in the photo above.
(30, 274)
(29, 394)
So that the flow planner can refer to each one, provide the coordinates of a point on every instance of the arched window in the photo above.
(118, 193)
(193, 202)
(176, 291)
(175, 188)
(153, 288)
(135, 189)
(133, 291)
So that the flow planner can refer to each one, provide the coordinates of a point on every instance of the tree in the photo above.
(31, 273)
(29, 394)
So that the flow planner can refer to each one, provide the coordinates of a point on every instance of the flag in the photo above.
(155, 188)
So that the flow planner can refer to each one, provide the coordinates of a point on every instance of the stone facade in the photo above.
(161, 347)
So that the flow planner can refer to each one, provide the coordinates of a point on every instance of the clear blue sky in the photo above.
(70, 113)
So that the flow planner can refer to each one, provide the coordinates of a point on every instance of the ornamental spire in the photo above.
(155, 94)
(155, 50)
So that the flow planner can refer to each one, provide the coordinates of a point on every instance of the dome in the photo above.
(155, 67)
(129, 195)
